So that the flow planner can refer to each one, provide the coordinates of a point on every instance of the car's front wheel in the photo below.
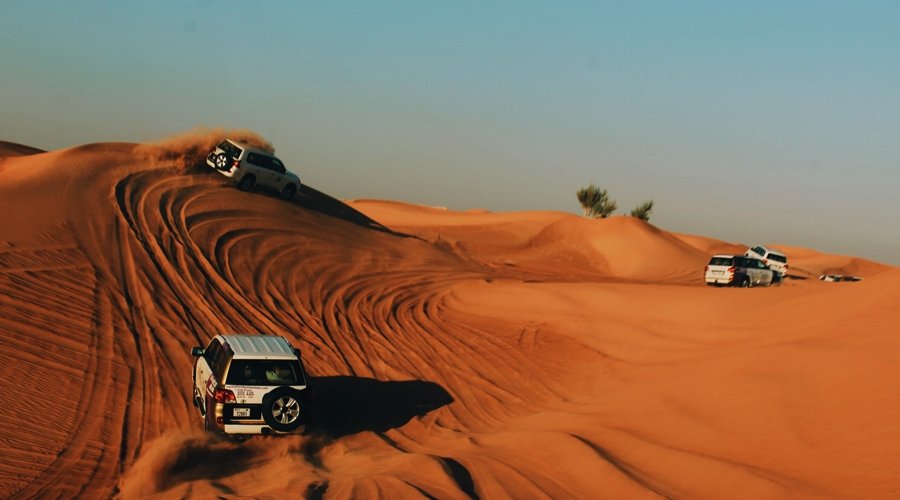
(281, 409)
(288, 192)
(745, 282)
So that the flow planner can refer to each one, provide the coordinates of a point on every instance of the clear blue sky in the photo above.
(753, 122)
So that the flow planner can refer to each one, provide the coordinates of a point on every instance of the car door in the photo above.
(760, 272)
(273, 178)
(203, 373)
(280, 172)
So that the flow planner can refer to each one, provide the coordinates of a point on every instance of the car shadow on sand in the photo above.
(313, 199)
(344, 405)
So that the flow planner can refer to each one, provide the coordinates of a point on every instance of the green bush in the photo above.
(595, 202)
(643, 211)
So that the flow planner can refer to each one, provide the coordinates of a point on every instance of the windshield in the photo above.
(265, 372)
(230, 149)
(721, 261)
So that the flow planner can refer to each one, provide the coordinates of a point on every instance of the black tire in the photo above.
(246, 183)
(222, 161)
(281, 409)
(745, 282)
(288, 192)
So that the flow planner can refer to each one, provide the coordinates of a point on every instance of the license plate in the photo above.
(241, 412)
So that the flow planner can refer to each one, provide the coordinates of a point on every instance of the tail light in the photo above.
(706, 268)
(224, 396)
(235, 163)
(731, 269)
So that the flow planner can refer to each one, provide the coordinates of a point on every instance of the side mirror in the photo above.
(197, 351)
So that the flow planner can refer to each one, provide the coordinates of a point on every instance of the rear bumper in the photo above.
(257, 429)
(224, 421)
(720, 280)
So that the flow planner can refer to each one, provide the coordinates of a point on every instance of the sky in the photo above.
(764, 122)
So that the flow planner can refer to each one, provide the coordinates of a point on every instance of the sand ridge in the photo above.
(455, 354)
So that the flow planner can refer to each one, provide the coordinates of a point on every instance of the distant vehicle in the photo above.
(839, 277)
(772, 258)
(249, 166)
(249, 384)
(737, 270)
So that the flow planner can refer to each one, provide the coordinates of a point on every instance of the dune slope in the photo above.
(454, 354)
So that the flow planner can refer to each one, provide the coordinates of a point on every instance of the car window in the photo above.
(265, 372)
(220, 361)
(721, 261)
(778, 258)
(230, 149)
(759, 250)
(278, 166)
(211, 351)
(257, 159)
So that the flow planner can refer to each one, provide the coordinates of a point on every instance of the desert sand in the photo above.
(454, 354)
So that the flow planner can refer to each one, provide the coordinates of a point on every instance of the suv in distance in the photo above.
(249, 384)
(736, 270)
(772, 258)
(250, 166)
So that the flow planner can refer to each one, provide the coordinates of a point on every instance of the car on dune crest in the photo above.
(776, 260)
(250, 384)
(249, 166)
(738, 270)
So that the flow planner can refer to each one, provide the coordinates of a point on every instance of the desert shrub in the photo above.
(595, 202)
(643, 211)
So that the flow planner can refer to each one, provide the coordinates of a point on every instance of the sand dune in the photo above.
(455, 354)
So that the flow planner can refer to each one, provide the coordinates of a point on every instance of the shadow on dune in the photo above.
(9, 149)
(318, 201)
(345, 405)
(315, 200)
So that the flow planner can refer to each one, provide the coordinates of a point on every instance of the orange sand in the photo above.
(455, 354)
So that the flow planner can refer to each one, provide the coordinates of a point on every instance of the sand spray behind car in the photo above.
(179, 456)
(190, 148)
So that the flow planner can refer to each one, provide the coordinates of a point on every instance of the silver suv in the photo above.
(249, 166)
(737, 270)
(249, 384)
(770, 257)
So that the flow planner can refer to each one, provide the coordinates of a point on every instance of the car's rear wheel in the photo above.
(222, 161)
(281, 409)
(246, 183)
(288, 192)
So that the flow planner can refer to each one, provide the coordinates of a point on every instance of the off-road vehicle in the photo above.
(776, 260)
(250, 384)
(737, 270)
(249, 166)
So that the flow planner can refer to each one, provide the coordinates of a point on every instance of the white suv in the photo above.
(249, 384)
(737, 270)
(772, 258)
(250, 166)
